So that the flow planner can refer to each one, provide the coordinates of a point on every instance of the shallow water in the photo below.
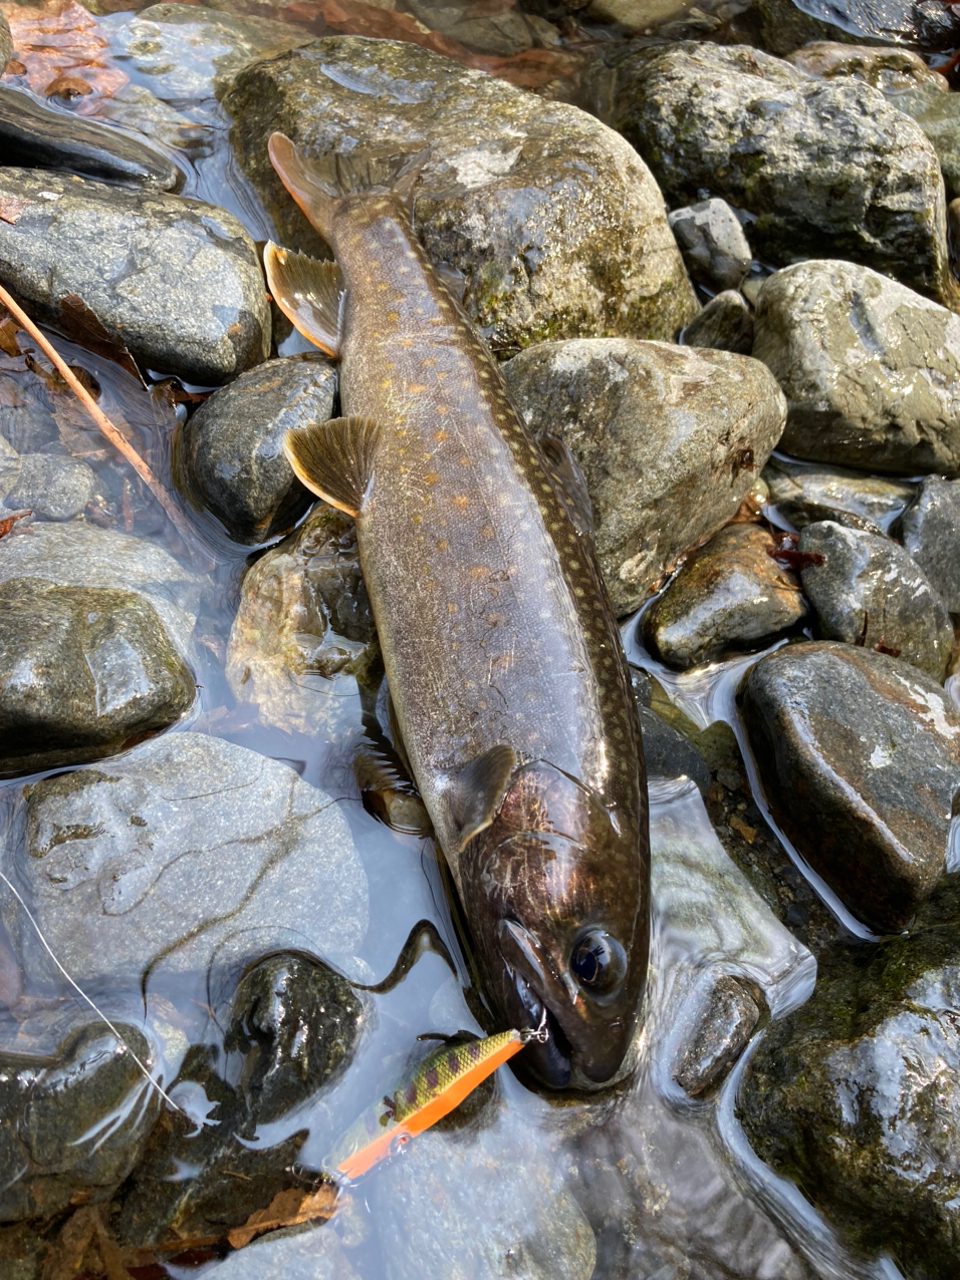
(667, 1183)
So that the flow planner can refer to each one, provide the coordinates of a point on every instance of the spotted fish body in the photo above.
(502, 653)
(438, 1086)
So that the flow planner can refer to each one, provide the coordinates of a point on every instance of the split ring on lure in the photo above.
(439, 1084)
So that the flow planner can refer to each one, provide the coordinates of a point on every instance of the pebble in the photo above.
(712, 242)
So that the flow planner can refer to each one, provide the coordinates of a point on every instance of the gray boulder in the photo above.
(185, 853)
(556, 224)
(725, 323)
(859, 755)
(177, 280)
(824, 166)
(867, 590)
(870, 369)
(668, 438)
(229, 455)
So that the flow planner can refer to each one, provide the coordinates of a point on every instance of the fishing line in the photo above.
(79, 990)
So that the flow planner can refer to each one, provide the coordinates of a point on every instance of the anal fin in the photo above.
(309, 293)
(479, 790)
(335, 459)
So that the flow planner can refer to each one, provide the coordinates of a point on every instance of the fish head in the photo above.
(556, 893)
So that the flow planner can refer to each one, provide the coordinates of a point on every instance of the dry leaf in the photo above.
(11, 208)
(63, 43)
(6, 524)
(286, 1209)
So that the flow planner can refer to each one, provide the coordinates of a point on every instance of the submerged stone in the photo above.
(868, 591)
(51, 486)
(555, 223)
(72, 1129)
(178, 280)
(859, 755)
(668, 438)
(84, 672)
(303, 619)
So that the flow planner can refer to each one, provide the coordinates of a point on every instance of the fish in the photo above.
(438, 1085)
(507, 679)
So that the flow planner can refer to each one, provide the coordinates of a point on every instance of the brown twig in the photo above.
(100, 418)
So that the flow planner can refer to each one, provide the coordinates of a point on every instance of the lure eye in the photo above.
(598, 962)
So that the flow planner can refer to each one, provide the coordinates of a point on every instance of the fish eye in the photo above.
(598, 961)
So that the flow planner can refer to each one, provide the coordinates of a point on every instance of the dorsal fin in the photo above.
(335, 459)
(478, 791)
(569, 480)
(309, 293)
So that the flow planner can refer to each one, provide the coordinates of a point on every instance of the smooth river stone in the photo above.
(179, 281)
(229, 454)
(84, 672)
(856, 1096)
(731, 595)
(185, 852)
(669, 440)
(804, 493)
(870, 369)
(859, 755)
(869, 591)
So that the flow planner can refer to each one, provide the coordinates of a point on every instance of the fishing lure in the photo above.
(439, 1084)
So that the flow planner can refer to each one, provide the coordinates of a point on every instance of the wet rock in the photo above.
(922, 24)
(722, 1032)
(556, 225)
(425, 1209)
(35, 133)
(188, 849)
(6, 42)
(505, 34)
(725, 323)
(187, 53)
(84, 672)
(180, 280)
(855, 1096)
(666, 752)
(295, 1024)
(869, 591)
(53, 487)
(930, 531)
(907, 83)
(859, 755)
(668, 438)
(9, 467)
(712, 242)
(293, 1030)
(77, 555)
(74, 1126)
(732, 595)
(303, 619)
(825, 166)
(870, 369)
(229, 455)
(803, 494)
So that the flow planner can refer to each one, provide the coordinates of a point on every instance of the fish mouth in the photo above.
(572, 1042)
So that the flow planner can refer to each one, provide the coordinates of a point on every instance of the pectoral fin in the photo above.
(335, 459)
(309, 293)
(479, 790)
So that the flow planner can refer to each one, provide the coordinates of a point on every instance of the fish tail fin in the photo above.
(318, 183)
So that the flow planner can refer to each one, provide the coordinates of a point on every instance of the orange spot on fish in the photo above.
(431, 477)
(440, 436)
(415, 388)
(461, 501)
(452, 606)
